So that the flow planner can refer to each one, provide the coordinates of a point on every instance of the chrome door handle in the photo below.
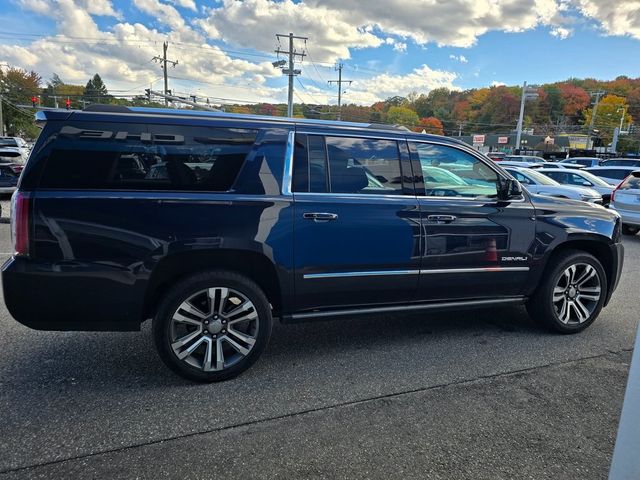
(441, 218)
(320, 216)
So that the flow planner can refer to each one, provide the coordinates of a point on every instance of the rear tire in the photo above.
(212, 326)
(571, 294)
(629, 230)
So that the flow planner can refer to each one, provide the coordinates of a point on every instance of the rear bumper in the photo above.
(617, 255)
(71, 296)
(629, 217)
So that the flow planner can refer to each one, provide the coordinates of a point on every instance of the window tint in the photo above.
(128, 157)
(557, 176)
(363, 165)
(449, 172)
(610, 173)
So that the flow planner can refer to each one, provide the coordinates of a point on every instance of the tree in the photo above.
(430, 125)
(608, 115)
(57, 88)
(18, 87)
(574, 98)
(96, 91)
(402, 116)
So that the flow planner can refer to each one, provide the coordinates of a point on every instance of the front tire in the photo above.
(571, 294)
(212, 326)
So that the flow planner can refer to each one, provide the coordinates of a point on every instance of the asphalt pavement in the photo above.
(474, 395)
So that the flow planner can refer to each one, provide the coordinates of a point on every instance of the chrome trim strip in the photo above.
(372, 273)
(380, 273)
(405, 308)
(476, 270)
(288, 164)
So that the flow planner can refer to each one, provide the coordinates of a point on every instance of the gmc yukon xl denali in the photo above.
(213, 224)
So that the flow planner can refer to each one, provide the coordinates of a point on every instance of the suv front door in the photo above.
(475, 246)
(357, 222)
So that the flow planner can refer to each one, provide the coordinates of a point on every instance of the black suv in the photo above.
(211, 224)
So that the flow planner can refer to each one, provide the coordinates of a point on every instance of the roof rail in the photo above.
(104, 107)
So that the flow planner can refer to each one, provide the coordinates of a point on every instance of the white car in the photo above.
(540, 184)
(580, 178)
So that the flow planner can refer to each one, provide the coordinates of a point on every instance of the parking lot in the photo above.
(464, 395)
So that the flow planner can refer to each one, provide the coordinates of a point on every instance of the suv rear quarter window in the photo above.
(139, 157)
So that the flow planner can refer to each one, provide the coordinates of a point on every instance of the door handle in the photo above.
(320, 216)
(441, 218)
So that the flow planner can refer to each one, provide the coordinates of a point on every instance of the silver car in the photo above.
(580, 178)
(540, 184)
(612, 175)
(582, 161)
(626, 201)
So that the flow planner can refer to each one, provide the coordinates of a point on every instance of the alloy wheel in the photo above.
(214, 329)
(577, 293)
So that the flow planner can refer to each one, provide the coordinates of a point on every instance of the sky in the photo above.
(225, 48)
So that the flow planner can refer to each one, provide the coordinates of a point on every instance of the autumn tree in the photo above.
(608, 115)
(574, 99)
(430, 125)
(402, 116)
(18, 87)
(57, 88)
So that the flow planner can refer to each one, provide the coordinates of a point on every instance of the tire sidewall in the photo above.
(186, 288)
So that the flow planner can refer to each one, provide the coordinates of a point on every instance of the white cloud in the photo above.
(561, 32)
(495, 83)
(420, 80)
(615, 18)
(459, 58)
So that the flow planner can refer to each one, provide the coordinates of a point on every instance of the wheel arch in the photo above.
(253, 265)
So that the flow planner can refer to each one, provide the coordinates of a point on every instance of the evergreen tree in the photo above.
(96, 91)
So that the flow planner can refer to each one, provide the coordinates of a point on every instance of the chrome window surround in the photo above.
(379, 273)
(288, 165)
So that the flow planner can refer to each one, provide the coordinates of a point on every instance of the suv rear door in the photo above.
(357, 222)
(475, 245)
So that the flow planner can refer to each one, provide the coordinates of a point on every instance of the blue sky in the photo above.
(388, 47)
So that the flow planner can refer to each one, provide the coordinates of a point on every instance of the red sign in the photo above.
(478, 139)
(503, 139)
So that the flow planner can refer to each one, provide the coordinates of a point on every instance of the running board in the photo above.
(411, 307)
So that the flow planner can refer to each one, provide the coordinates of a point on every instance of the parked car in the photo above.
(540, 184)
(621, 162)
(626, 201)
(8, 179)
(560, 165)
(612, 175)
(13, 149)
(584, 161)
(507, 163)
(496, 156)
(287, 224)
(580, 178)
(524, 158)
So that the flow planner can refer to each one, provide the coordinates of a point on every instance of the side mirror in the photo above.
(508, 188)
(587, 184)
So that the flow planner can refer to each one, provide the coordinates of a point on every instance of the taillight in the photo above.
(20, 222)
(613, 193)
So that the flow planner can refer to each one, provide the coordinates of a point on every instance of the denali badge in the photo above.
(514, 259)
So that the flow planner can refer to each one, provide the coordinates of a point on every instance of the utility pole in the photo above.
(340, 81)
(1, 119)
(526, 93)
(163, 60)
(624, 112)
(290, 72)
(460, 129)
(593, 118)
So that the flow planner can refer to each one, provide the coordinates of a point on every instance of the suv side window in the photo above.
(114, 156)
(347, 165)
(364, 165)
(450, 172)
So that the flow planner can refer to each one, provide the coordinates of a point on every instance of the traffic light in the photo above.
(34, 101)
(68, 103)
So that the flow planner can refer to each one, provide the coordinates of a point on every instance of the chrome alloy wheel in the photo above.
(576, 294)
(214, 329)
